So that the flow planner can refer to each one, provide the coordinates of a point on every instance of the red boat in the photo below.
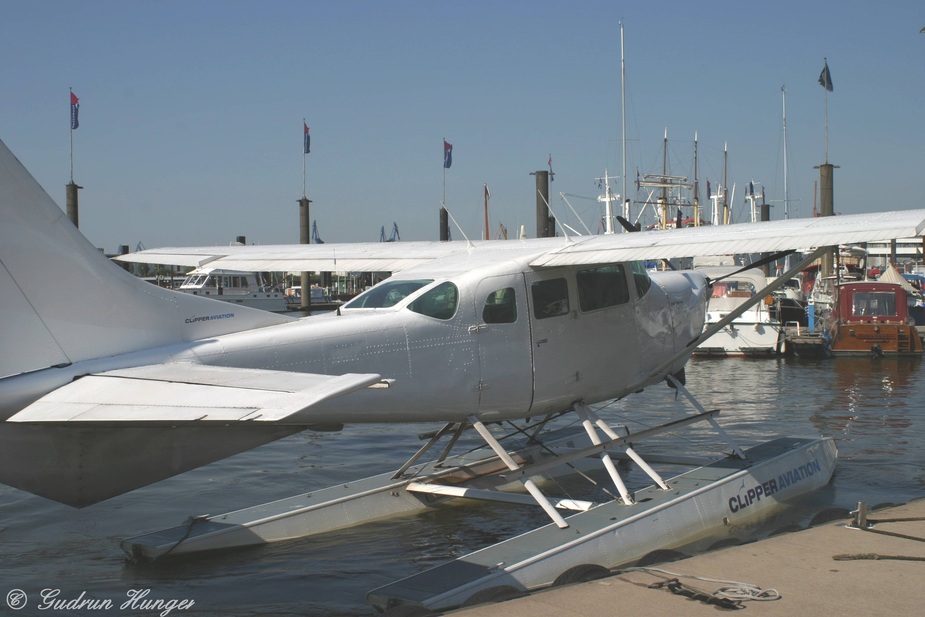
(873, 317)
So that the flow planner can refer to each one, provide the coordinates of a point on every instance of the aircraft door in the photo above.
(584, 341)
(503, 333)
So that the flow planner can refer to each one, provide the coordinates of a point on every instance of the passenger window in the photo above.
(641, 278)
(440, 302)
(550, 298)
(602, 287)
(500, 307)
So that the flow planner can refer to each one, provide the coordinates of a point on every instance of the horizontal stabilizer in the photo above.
(181, 392)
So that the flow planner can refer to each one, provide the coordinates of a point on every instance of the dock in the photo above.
(834, 568)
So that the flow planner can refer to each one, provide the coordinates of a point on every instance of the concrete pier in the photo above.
(829, 569)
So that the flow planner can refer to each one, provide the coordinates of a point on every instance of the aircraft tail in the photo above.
(62, 301)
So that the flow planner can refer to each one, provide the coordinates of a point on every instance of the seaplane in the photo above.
(126, 383)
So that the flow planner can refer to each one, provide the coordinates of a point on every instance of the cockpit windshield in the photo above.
(387, 293)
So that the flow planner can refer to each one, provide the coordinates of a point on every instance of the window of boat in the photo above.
(500, 306)
(387, 293)
(873, 303)
(733, 289)
(641, 278)
(550, 298)
(439, 302)
(601, 287)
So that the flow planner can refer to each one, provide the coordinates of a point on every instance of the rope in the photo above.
(733, 591)
(189, 529)
(875, 557)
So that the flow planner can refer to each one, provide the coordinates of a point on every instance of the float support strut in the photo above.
(513, 466)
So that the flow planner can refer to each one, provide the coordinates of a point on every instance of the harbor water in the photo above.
(69, 561)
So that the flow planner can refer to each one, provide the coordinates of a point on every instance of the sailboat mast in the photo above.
(664, 212)
(487, 195)
(725, 184)
(608, 207)
(696, 187)
(626, 201)
(783, 91)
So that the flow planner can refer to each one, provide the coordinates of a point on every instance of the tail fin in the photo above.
(62, 301)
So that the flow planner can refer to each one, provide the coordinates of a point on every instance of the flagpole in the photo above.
(826, 122)
(825, 87)
(71, 98)
(486, 212)
(443, 201)
(443, 211)
(303, 160)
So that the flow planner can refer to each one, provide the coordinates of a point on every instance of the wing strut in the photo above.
(734, 314)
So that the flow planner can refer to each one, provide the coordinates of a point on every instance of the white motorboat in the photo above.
(754, 333)
(235, 287)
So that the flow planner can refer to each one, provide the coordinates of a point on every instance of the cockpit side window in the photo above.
(641, 278)
(500, 306)
(550, 298)
(439, 302)
(601, 287)
(387, 293)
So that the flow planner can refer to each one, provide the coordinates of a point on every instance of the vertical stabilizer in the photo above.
(62, 301)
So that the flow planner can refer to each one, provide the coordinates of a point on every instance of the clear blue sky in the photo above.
(191, 112)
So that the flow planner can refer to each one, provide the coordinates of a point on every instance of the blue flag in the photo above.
(447, 154)
(75, 107)
(308, 139)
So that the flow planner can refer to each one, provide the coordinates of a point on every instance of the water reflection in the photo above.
(875, 398)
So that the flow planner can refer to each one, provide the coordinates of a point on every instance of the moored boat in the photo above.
(235, 287)
(754, 333)
(872, 317)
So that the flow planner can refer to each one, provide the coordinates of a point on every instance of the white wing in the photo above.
(108, 433)
(172, 393)
(793, 234)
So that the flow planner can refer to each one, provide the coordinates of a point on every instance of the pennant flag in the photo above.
(75, 107)
(308, 139)
(825, 78)
(552, 176)
(487, 192)
(447, 154)
(709, 193)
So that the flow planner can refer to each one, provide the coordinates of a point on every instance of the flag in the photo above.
(709, 193)
(487, 192)
(552, 176)
(75, 107)
(447, 154)
(825, 78)
(308, 139)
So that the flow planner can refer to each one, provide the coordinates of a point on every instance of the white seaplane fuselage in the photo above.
(482, 336)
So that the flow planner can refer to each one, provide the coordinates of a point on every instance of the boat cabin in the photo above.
(873, 317)
(209, 282)
(245, 288)
(870, 302)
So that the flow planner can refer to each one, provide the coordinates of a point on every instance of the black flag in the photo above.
(825, 78)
